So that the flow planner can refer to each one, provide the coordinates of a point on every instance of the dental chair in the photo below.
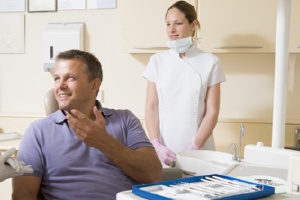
(51, 105)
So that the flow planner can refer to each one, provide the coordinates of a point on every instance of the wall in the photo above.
(247, 95)
(23, 81)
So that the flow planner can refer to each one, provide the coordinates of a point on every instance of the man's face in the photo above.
(72, 87)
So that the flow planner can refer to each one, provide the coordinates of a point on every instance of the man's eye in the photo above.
(71, 78)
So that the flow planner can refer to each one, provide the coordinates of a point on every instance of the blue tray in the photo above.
(266, 190)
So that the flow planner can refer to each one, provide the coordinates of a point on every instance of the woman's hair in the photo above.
(92, 64)
(188, 10)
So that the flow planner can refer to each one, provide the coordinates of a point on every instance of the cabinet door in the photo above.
(294, 45)
(143, 25)
(237, 25)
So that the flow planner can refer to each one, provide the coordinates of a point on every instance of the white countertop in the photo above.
(4, 145)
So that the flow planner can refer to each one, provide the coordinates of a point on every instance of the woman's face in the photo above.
(177, 25)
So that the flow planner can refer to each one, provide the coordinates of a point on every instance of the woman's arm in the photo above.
(210, 119)
(151, 111)
(152, 123)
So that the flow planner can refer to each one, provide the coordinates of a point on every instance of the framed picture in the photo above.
(42, 5)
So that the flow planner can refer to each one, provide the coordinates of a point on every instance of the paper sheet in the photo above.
(12, 38)
(96, 4)
(42, 5)
(71, 4)
(12, 6)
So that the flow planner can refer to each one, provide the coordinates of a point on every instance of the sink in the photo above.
(246, 169)
(258, 160)
(204, 162)
(259, 163)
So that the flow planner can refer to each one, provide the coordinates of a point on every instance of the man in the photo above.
(11, 167)
(84, 151)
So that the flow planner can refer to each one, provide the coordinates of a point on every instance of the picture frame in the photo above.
(42, 6)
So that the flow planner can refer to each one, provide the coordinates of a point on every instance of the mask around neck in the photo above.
(181, 45)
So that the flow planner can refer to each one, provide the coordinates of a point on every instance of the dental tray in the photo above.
(213, 186)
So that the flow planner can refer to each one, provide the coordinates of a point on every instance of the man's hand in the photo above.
(86, 129)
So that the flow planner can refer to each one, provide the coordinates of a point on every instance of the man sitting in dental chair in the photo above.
(83, 150)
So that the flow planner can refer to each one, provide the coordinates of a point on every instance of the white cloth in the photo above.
(181, 87)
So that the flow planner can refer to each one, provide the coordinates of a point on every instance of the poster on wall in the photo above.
(101, 4)
(12, 6)
(42, 5)
(71, 5)
(12, 33)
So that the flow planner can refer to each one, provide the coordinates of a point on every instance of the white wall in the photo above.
(24, 82)
(247, 93)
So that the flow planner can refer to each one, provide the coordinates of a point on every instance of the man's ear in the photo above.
(96, 84)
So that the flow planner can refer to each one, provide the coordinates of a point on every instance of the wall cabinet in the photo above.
(237, 25)
(231, 26)
(143, 25)
(294, 45)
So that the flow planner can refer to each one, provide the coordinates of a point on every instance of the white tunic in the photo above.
(181, 87)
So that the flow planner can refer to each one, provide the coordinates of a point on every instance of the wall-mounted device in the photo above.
(293, 178)
(58, 37)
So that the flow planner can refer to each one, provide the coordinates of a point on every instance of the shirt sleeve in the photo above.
(149, 72)
(29, 150)
(136, 136)
(217, 75)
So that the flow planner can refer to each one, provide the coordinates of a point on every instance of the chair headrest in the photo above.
(50, 103)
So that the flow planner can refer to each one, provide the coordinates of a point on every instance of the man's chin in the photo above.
(64, 107)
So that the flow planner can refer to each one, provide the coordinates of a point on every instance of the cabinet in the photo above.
(237, 25)
(294, 45)
(143, 25)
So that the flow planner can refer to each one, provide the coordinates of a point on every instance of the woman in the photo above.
(183, 90)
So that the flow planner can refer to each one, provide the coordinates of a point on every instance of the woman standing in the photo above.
(183, 90)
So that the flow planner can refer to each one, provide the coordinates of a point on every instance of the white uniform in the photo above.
(181, 87)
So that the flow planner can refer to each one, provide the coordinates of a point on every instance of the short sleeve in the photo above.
(149, 72)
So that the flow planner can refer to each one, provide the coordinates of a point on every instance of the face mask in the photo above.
(180, 45)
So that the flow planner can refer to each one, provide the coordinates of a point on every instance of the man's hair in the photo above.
(92, 64)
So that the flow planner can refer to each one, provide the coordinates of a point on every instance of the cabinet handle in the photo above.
(238, 47)
(151, 48)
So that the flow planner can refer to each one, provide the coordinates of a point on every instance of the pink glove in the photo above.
(165, 155)
(193, 147)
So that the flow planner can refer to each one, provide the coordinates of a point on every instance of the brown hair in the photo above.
(93, 66)
(188, 10)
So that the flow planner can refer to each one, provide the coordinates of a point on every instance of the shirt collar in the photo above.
(59, 116)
